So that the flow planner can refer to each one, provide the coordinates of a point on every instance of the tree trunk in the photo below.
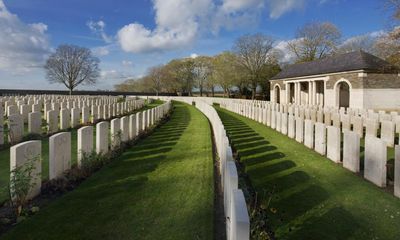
(70, 91)
(212, 91)
(253, 93)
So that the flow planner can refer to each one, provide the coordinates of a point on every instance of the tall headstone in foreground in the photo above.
(320, 138)
(375, 160)
(309, 133)
(124, 129)
(85, 143)
(59, 154)
(333, 143)
(102, 137)
(351, 151)
(299, 130)
(28, 154)
(115, 133)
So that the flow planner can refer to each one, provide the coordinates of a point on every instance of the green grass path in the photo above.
(162, 188)
(313, 198)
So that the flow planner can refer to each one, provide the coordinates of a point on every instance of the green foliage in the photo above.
(22, 181)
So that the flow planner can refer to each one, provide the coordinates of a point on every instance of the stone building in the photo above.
(356, 80)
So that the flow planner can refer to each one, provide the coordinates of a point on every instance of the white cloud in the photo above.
(180, 22)
(113, 75)
(98, 28)
(278, 7)
(178, 25)
(194, 55)
(283, 53)
(22, 46)
(127, 63)
(101, 51)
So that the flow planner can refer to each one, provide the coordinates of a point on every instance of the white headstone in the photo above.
(375, 159)
(387, 132)
(15, 128)
(333, 143)
(299, 129)
(309, 133)
(102, 137)
(351, 151)
(115, 133)
(75, 117)
(28, 154)
(65, 119)
(291, 126)
(60, 154)
(397, 171)
(52, 121)
(85, 143)
(124, 129)
(132, 126)
(35, 122)
(320, 138)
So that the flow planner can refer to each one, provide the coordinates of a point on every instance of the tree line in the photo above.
(244, 71)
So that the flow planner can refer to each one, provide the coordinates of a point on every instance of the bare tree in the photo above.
(314, 41)
(252, 52)
(202, 70)
(393, 6)
(72, 65)
(156, 75)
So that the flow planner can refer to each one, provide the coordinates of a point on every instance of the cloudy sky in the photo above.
(130, 36)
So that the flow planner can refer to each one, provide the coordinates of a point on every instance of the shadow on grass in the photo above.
(113, 202)
(290, 192)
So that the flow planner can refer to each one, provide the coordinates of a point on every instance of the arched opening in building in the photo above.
(277, 93)
(344, 94)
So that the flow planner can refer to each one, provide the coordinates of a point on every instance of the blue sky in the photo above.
(131, 36)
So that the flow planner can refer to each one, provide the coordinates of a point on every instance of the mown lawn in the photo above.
(162, 188)
(311, 197)
(5, 156)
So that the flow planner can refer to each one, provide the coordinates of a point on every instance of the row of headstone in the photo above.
(62, 119)
(326, 140)
(387, 126)
(60, 144)
(235, 208)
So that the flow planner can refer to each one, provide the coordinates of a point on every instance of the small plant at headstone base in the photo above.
(22, 181)
(91, 162)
